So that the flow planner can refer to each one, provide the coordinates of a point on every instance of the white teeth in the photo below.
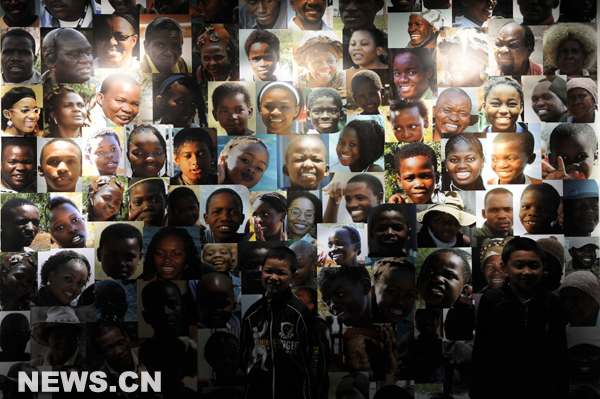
(396, 312)
(415, 36)
(463, 175)
(308, 174)
(168, 269)
(503, 119)
(224, 228)
(346, 156)
(542, 112)
(451, 126)
(324, 75)
(67, 293)
(504, 173)
(300, 226)
(353, 213)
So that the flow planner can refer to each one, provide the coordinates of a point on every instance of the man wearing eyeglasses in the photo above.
(115, 38)
(68, 56)
(18, 57)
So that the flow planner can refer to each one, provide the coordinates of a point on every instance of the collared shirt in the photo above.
(292, 26)
(484, 231)
(35, 79)
(465, 22)
(181, 66)
(48, 21)
(534, 69)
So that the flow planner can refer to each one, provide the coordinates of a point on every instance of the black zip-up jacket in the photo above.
(281, 353)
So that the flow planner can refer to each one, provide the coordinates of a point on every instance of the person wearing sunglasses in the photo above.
(20, 112)
(115, 40)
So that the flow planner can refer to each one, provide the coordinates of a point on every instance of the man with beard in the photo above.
(512, 48)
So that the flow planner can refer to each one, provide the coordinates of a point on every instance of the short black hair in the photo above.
(61, 258)
(379, 209)
(522, 244)
(262, 36)
(465, 256)
(55, 202)
(401, 105)
(353, 233)
(212, 348)
(192, 256)
(157, 183)
(52, 141)
(6, 213)
(19, 33)
(152, 293)
(412, 150)
(283, 254)
(497, 190)
(121, 231)
(229, 191)
(144, 129)
(372, 182)
(104, 131)
(549, 193)
(19, 142)
(371, 137)
(227, 89)
(192, 135)
(468, 138)
(162, 24)
(353, 275)
(365, 76)
(502, 80)
(524, 139)
(570, 130)
(324, 92)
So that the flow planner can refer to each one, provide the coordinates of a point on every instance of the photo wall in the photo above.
(301, 198)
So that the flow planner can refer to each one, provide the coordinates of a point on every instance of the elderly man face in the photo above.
(115, 348)
(62, 341)
(116, 42)
(66, 10)
(165, 49)
(18, 57)
(73, 61)
(510, 50)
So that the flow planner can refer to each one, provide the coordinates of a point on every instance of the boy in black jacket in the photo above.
(281, 353)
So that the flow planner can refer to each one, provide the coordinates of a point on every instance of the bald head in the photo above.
(512, 48)
(215, 299)
(68, 55)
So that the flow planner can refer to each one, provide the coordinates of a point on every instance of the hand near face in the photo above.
(335, 191)
(222, 169)
(396, 199)
(549, 172)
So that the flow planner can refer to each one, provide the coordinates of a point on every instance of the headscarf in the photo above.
(313, 46)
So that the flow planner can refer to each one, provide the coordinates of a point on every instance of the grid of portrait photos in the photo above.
(302, 198)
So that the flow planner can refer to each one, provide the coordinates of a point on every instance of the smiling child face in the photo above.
(441, 281)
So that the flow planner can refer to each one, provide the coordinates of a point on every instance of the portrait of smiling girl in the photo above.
(502, 105)
(63, 277)
(147, 152)
(464, 163)
(365, 49)
(279, 104)
(413, 74)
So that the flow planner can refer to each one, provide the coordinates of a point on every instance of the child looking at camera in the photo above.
(279, 337)
(452, 267)
(520, 327)
(232, 108)
(511, 154)
(194, 153)
(573, 152)
(243, 160)
(539, 208)
(306, 162)
(416, 165)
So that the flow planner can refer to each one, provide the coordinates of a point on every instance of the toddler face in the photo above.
(306, 163)
(577, 155)
(442, 280)
(246, 164)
